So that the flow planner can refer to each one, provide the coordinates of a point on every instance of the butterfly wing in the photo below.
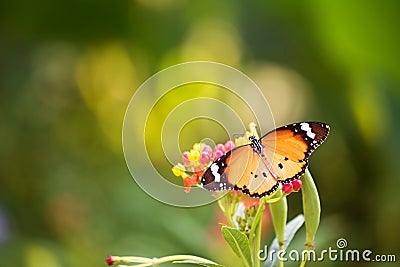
(290, 146)
(285, 156)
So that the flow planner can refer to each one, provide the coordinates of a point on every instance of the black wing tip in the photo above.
(321, 135)
(246, 191)
(322, 125)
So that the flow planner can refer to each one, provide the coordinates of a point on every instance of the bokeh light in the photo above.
(69, 69)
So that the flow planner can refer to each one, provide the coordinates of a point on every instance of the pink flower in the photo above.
(217, 154)
(204, 158)
(207, 149)
(229, 145)
(220, 147)
(185, 158)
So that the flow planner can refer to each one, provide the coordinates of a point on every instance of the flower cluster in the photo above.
(197, 160)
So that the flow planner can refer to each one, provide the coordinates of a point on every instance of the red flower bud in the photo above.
(296, 185)
(109, 260)
(287, 188)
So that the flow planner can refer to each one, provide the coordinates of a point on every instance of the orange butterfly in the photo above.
(258, 168)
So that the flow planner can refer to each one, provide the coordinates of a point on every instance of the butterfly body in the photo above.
(258, 168)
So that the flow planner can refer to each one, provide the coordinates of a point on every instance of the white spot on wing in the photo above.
(306, 127)
(214, 171)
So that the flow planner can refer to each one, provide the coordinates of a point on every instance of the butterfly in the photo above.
(257, 168)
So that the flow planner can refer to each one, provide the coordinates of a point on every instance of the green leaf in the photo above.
(239, 243)
(199, 263)
(279, 217)
(311, 208)
(290, 230)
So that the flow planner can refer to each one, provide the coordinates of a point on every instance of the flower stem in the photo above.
(181, 258)
(227, 208)
(278, 211)
(145, 262)
(255, 232)
(304, 260)
(257, 244)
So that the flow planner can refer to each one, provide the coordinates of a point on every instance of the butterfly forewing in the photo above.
(290, 147)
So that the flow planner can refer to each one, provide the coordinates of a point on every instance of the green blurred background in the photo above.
(68, 70)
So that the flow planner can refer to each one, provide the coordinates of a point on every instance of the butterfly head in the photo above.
(252, 138)
(256, 144)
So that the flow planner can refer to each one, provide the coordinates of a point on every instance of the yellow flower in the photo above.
(197, 147)
(194, 155)
(242, 140)
(253, 129)
(178, 169)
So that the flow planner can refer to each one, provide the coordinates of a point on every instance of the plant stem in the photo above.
(257, 244)
(232, 210)
(278, 211)
(180, 258)
(255, 232)
(228, 209)
(144, 262)
(304, 260)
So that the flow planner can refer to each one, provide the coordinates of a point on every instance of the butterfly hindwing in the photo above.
(262, 182)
